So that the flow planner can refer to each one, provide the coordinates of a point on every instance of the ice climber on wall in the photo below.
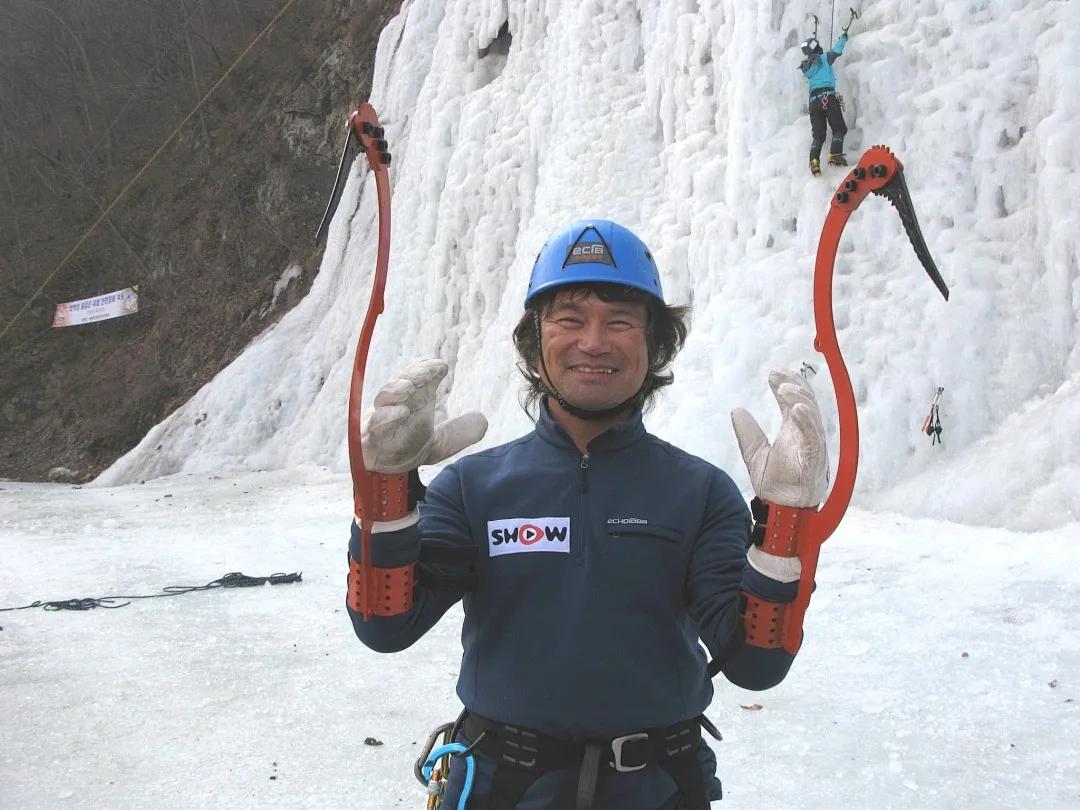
(590, 556)
(824, 105)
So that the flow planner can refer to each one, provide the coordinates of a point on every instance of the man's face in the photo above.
(595, 351)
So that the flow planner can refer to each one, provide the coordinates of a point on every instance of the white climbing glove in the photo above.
(794, 469)
(398, 434)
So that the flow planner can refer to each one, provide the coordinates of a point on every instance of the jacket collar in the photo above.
(621, 435)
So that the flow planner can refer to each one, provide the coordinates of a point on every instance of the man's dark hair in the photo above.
(666, 328)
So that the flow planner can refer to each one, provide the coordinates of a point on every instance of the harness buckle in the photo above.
(617, 749)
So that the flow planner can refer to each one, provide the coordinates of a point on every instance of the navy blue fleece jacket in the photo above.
(598, 574)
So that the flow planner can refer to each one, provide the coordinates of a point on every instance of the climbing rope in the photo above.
(233, 580)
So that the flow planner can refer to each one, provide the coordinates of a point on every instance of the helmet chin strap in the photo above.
(633, 403)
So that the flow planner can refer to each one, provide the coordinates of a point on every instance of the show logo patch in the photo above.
(521, 535)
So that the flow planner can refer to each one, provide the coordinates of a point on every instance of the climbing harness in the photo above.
(824, 94)
(879, 172)
(931, 426)
(522, 755)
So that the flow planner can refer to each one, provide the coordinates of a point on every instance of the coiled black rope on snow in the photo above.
(233, 580)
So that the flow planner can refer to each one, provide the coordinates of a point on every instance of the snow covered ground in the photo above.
(941, 667)
(942, 662)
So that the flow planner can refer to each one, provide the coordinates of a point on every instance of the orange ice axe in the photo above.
(879, 172)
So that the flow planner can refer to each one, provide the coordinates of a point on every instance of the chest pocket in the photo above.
(648, 561)
(641, 533)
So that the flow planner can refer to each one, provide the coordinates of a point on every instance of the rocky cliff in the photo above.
(216, 230)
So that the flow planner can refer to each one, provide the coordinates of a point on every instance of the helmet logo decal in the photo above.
(592, 252)
(589, 252)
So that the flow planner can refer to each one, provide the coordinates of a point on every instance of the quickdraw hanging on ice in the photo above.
(878, 172)
(931, 425)
(372, 591)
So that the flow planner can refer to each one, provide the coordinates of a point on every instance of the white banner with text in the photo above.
(99, 308)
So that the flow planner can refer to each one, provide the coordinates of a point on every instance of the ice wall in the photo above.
(687, 122)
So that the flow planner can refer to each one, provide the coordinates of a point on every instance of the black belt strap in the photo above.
(522, 756)
(587, 776)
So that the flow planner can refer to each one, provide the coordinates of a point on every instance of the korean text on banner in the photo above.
(100, 308)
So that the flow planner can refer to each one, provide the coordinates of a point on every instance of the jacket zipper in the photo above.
(584, 473)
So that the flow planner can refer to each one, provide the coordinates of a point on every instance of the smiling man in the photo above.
(592, 558)
(594, 349)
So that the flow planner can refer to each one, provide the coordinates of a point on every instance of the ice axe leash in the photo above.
(364, 133)
(878, 172)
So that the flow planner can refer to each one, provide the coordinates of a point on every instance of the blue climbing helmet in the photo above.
(594, 250)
